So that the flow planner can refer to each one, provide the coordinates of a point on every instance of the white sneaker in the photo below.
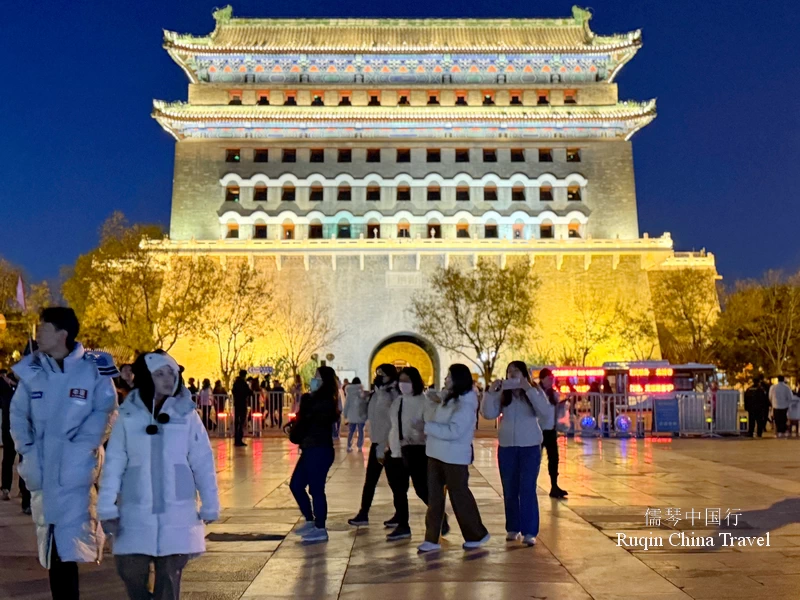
(478, 544)
(529, 540)
(305, 528)
(512, 536)
(428, 547)
(314, 536)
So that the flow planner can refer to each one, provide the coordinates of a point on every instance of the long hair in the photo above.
(329, 390)
(416, 379)
(508, 395)
(461, 377)
(143, 379)
(390, 371)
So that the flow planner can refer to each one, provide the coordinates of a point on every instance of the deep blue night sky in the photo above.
(717, 168)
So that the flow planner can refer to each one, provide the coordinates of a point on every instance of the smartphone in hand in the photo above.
(511, 384)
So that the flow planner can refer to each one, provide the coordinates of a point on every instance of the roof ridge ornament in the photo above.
(582, 16)
(223, 15)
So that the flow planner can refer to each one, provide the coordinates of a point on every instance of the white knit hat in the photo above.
(156, 360)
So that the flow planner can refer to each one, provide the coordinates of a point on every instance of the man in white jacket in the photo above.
(60, 418)
(781, 397)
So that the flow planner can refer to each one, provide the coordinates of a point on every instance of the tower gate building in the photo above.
(358, 155)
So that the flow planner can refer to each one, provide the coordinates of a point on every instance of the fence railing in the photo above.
(265, 410)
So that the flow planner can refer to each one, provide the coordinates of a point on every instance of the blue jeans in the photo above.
(353, 427)
(311, 472)
(519, 470)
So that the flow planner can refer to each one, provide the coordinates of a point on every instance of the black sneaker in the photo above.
(359, 521)
(391, 523)
(445, 526)
(240, 445)
(26, 510)
(557, 492)
(400, 533)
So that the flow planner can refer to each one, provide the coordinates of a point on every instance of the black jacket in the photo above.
(241, 391)
(756, 398)
(315, 419)
(6, 393)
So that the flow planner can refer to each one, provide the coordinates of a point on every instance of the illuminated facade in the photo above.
(361, 154)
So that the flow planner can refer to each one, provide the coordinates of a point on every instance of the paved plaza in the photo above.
(612, 484)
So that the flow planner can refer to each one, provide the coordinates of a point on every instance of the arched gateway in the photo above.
(407, 349)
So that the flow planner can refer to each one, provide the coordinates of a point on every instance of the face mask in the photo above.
(406, 388)
(316, 383)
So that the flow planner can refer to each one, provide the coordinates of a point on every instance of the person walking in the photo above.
(312, 431)
(449, 433)
(355, 413)
(521, 403)
(756, 403)
(7, 387)
(781, 397)
(205, 399)
(60, 415)
(241, 399)
(378, 414)
(549, 432)
(408, 459)
(157, 463)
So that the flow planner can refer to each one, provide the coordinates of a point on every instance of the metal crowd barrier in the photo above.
(222, 418)
(610, 415)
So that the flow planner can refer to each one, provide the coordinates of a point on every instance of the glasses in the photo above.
(152, 429)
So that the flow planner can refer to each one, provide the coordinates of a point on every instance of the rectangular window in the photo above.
(518, 193)
(345, 155)
(260, 232)
(263, 99)
(489, 155)
(288, 232)
(233, 155)
(516, 98)
(402, 100)
(374, 99)
(235, 97)
(461, 98)
(316, 194)
(403, 193)
(545, 155)
(490, 231)
(317, 155)
(434, 156)
(260, 193)
(570, 96)
(403, 155)
(373, 193)
(517, 155)
(287, 193)
(542, 98)
(462, 230)
(317, 99)
(489, 194)
(233, 232)
(261, 155)
(462, 155)
(232, 193)
(545, 193)
(315, 232)
(433, 98)
(488, 98)
(462, 193)
(290, 98)
(434, 194)
(546, 231)
(344, 99)
(344, 194)
(289, 155)
(373, 155)
(574, 193)
(403, 230)
(343, 231)
(373, 231)
(573, 155)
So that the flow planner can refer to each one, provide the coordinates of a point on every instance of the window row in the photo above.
(433, 230)
(401, 155)
(404, 97)
(433, 193)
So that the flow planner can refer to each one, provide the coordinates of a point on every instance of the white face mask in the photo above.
(315, 384)
(406, 388)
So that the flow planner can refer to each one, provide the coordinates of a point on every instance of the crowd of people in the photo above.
(126, 455)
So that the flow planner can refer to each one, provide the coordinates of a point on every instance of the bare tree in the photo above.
(637, 332)
(596, 321)
(687, 307)
(479, 312)
(237, 314)
(304, 327)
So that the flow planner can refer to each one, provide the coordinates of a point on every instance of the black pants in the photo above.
(374, 469)
(550, 443)
(780, 416)
(397, 475)
(207, 416)
(134, 570)
(416, 462)
(756, 421)
(64, 583)
(454, 480)
(240, 419)
(275, 405)
(9, 457)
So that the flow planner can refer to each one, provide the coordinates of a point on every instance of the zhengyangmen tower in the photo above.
(362, 153)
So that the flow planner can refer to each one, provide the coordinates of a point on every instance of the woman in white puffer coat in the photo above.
(157, 462)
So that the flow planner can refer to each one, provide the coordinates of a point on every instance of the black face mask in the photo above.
(378, 382)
